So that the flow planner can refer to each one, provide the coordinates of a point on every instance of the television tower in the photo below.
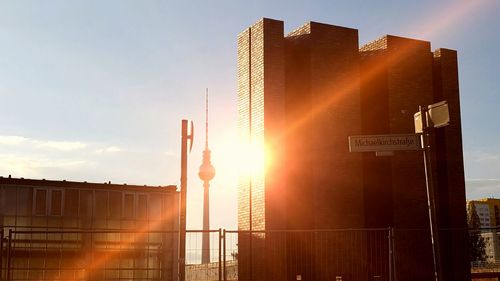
(206, 173)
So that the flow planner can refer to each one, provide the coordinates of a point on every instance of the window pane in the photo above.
(24, 201)
(71, 202)
(40, 202)
(142, 206)
(85, 203)
(55, 202)
(10, 200)
(128, 208)
(115, 205)
(101, 204)
(155, 207)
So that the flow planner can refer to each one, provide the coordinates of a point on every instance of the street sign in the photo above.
(437, 116)
(384, 142)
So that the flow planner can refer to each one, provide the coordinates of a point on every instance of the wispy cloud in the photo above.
(481, 156)
(109, 149)
(50, 144)
(60, 145)
(11, 140)
(483, 163)
(25, 165)
(482, 188)
(31, 157)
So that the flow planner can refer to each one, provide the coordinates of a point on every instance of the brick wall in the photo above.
(303, 94)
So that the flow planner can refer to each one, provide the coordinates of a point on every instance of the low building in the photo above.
(78, 230)
(487, 210)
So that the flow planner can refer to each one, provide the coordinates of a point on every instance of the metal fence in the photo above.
(352, 254)
(344, 254)
(89, 255)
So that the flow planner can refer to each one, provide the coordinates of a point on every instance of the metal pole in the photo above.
(224, 255)
(250, 232)
(9, 258)
(182, 223)
(220, 254)
(1, 253)
(431, 203)
(391, 253)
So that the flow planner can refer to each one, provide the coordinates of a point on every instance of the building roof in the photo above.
(85, 185)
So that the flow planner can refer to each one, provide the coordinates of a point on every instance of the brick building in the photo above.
(302, 95)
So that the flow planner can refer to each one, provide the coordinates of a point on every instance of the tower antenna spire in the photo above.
(206, 119)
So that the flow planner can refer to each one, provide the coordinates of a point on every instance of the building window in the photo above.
(9, 200)
(128, 206)
(85, 203)
(115, 205)
(71, 202)
(142, 206)
(24, 201)
(155, 207)
(56, 202)
(497, 216)
(101, 204)
(40, 202)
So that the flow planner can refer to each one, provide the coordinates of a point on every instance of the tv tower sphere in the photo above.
(207, 170)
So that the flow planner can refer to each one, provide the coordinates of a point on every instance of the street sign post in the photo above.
(379, 143)
(426, 120)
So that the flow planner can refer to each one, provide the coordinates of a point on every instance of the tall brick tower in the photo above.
(302, 95)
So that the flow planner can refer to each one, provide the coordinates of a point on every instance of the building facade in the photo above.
(302, 95)
(88, 231)
(487, 210)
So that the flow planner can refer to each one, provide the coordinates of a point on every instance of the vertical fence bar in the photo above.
(220, 253)
(389, 241)
(394, 262)
(1, 254)
(224, 255)
(9, 249)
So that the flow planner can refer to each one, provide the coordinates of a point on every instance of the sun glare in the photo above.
(255, 158)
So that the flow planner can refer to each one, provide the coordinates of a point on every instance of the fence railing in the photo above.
(384, 254)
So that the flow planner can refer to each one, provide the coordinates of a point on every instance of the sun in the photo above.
(234, 157)
(255, 158)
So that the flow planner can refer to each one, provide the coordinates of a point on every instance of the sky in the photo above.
(96, 90)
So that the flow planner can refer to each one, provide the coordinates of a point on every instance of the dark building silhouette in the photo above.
(64, 230)
(303, 94)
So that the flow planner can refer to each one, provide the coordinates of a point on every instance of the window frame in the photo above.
(49, 201)
(35, 192)
(134, 207)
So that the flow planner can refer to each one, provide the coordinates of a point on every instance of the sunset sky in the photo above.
(96, 90)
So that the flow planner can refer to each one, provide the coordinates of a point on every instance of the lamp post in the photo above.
(186, 135)
(431, 201)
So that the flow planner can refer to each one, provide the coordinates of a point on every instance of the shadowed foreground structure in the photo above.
(302, 95)
(63, 230)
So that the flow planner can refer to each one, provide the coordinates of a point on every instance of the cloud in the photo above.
(60, 145)
(482, 163)
(40, 158)
(482, 188)
(109, 149)
(51, 144)
(12, 140)
(26, 165)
